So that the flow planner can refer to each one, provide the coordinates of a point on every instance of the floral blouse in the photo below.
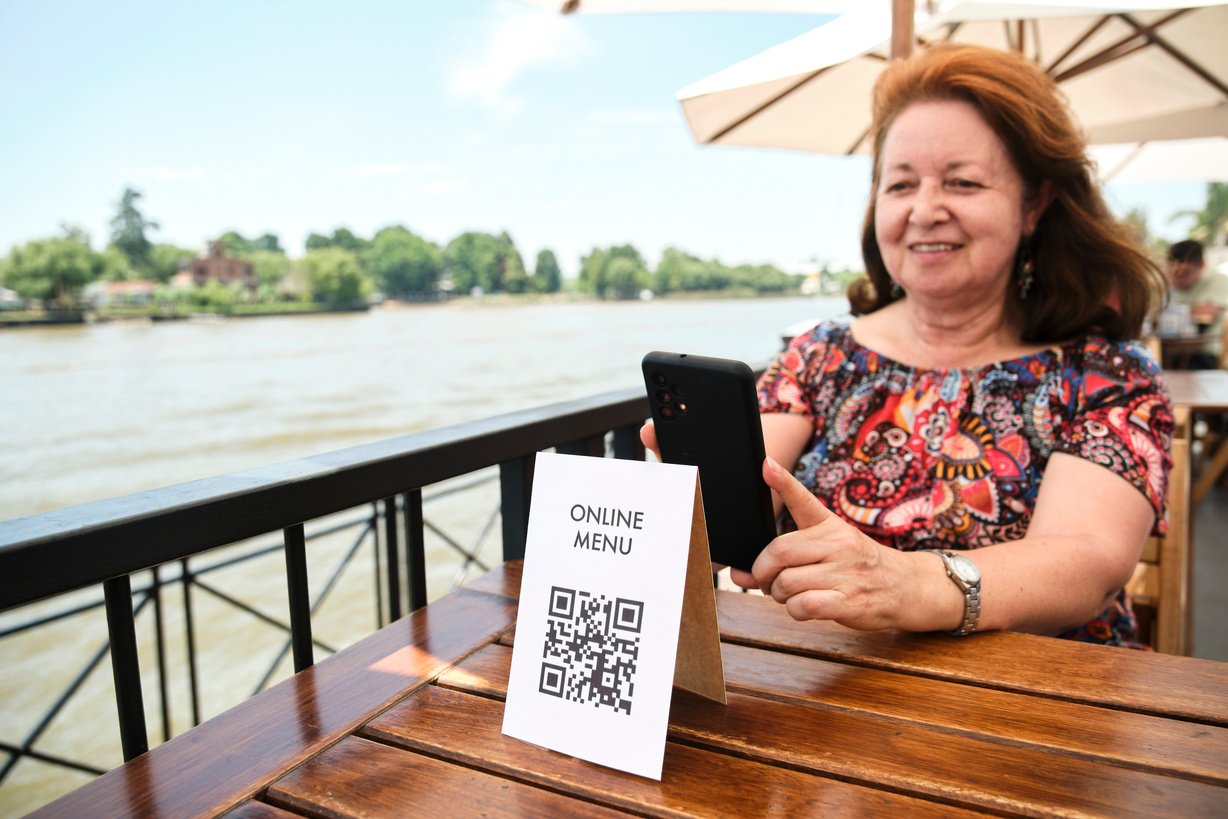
(953, 459)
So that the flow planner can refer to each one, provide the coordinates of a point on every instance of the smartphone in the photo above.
(706, 414)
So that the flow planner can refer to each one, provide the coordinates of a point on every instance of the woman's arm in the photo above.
(1084, 539)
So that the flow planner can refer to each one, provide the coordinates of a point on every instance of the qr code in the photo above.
(592, 645)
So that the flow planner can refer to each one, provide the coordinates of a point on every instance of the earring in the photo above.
(897, 292)
(1025, 272)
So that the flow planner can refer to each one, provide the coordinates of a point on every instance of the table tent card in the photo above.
(616, 607)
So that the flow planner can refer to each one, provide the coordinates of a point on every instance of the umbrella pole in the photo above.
(901, 28)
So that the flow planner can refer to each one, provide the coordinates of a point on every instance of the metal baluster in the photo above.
(189, 627)
(415, 549)
(155, 592)
(125, 667)
(300, 601)
(515, 490)
(380, 622)
(627, 443)
(593, 447)
(392, 558)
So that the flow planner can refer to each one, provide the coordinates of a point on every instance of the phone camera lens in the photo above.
(678, 390)
(659, 379)
(667, 413)
(664, 397)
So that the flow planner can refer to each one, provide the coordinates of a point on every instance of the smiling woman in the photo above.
(988, 396)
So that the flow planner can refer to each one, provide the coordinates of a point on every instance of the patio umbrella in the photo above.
(1133, 71)
(669, 6)
(1174, 160)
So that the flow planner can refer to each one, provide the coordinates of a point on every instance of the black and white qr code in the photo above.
(592, 647)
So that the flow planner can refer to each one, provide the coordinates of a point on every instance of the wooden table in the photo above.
(820, 720)
(1175, 351)
(1202, 392)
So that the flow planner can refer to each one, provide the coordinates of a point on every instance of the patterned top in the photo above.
(952, 459)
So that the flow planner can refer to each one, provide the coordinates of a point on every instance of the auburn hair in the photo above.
(1091, 275)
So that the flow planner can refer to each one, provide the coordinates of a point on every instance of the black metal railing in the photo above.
(109, 542)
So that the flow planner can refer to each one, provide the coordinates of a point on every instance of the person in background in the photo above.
(1205, 293)
(981, 447)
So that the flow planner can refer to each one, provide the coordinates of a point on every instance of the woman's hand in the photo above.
(829, 570)
(648, 436)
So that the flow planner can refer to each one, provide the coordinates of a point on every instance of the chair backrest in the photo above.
(1160, 587)
(1223, 346)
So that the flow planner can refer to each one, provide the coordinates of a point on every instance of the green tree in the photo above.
(53, 270)
(511, 273)
(342, 238)
(166, 259)
(1211, 223)
(271, 268)
(600, 276)
(335, 277)
(678, 271)
(625, 279)
(474, 260)
(547, 277)
(403, 263)
(593, 272)
(239, 244)
(128, 229)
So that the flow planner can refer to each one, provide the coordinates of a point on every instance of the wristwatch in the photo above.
(968, 577)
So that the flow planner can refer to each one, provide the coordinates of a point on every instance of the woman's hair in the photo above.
(1090, 275)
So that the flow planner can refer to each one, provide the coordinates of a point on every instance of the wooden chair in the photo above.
(1160, 586)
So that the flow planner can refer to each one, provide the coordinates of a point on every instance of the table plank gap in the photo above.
(358, 777)
(696, 781)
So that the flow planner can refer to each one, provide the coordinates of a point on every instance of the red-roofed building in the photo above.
(216, 267)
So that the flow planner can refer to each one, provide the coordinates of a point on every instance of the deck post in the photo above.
(125, 666)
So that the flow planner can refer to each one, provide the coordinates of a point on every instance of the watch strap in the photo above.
(972, 595)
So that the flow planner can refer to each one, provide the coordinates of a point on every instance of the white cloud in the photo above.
(397, 168)
(637, 116)
(513, 42)
(446, 186)
(168, 173)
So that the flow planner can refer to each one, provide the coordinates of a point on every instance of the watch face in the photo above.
(966, 569)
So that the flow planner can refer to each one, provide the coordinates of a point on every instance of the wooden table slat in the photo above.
(697, 782)
(357, 777)
(1149, 683)
(295, 718)
(252, 809)
(1172, 747)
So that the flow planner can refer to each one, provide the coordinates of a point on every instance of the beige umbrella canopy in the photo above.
(1133, 71)
(669, 6)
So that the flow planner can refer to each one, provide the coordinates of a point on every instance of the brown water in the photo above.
(98, 411)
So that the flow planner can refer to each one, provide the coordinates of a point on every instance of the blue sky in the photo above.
(489, 115)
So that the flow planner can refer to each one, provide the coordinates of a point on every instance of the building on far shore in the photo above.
(133, 293)
(215, 266)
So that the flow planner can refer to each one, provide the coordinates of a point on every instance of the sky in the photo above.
(301, 116)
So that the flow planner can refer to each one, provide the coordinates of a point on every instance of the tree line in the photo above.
(342, 267)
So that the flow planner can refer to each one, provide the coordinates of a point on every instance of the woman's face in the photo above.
(949, 210)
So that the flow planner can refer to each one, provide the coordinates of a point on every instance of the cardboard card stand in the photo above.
(616, 608)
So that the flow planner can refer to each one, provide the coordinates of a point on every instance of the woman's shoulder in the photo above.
(1098, 353)
(827, 335)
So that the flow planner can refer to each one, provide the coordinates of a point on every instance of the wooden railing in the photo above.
(104, 543)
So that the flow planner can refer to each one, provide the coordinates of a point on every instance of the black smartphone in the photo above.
(706, 414)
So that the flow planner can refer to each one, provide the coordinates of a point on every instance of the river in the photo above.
(96, 411)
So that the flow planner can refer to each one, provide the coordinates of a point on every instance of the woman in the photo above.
(989, 349)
